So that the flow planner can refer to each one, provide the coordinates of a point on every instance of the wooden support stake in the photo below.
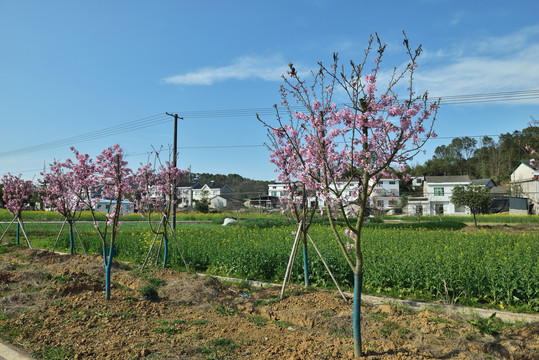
(151, 247)
(327, 267)
(24, 233)
(12, 221)
(178, 247)
(291, 260)
(80, 241)
(58, 237)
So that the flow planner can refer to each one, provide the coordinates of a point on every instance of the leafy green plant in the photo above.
(490, 325)
(224, 310)
(158, 282)
(258, 320)
(149, 292)
(225, 343)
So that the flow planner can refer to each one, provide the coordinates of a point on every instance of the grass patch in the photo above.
(283, 323)
(49, 352)
(388, 328)
(224, 310)
(226, 344)
(170, 330)
(258, 320)
(440, 320)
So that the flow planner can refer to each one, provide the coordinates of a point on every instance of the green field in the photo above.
(431, 260)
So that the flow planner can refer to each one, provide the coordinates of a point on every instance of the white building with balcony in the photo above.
(438, 191)
(384, 195)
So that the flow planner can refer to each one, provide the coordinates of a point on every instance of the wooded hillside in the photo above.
(483, 158)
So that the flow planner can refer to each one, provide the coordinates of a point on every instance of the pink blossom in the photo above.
(17, 193)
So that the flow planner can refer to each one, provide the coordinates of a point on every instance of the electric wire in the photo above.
(251, 112)
(93, 135)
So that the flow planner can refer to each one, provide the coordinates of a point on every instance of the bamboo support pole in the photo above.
(327, 267)
(80, 240)
(24, 233)
(12, 221)
(178, 247)
(58, 237)
(151, 247)
(291, 260)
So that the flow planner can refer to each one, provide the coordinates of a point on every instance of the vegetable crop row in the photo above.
(484, 267)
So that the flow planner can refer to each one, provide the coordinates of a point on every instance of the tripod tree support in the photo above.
(72, 226)
(20, 227)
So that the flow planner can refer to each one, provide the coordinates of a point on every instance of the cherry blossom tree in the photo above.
(341, 152)
(156, 192)
(16, 195)
(107, 178)
(62, 192)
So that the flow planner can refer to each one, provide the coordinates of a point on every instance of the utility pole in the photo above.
(175, 163)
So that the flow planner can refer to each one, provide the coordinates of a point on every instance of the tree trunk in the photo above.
(358, 287)
(18, 232)
(305, 259)
(71, 239)
(165, 250)
(108, 267)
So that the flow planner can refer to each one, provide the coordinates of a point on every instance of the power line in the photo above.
(93, 135)
(270, 111)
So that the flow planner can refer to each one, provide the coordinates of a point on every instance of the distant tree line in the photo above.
(481, 159)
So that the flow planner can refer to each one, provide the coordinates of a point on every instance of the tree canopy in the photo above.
(475, 197)
(483, 158)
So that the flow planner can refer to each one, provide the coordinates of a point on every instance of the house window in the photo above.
(439, 191)
(392, 183)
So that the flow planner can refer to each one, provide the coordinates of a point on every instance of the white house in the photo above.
(218, 195)
(438, 191)
(211, 190)
(417, 181)
(109, 205)
(525, 183)
(384, 195)
(277, 189)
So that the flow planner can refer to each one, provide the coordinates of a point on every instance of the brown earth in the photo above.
(53, 306)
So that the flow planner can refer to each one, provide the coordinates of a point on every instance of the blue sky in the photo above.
(69, 68)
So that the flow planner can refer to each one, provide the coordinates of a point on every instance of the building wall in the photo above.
(439, 195)
(524, 185)
(218, 202)
(386, 192)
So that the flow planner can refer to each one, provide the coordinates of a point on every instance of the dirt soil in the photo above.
(53, 306)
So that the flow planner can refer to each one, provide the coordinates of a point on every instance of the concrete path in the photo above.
(9, 352)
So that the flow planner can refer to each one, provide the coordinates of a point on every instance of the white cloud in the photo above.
(246, 67)
(492, 64)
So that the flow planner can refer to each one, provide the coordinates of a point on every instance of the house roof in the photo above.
(524, 162)
(190, 184)
(484, 182)
(447, 179)
(498, 190)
